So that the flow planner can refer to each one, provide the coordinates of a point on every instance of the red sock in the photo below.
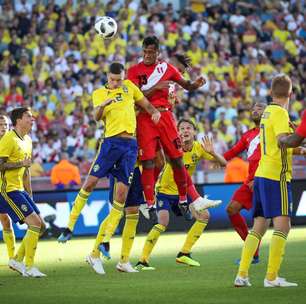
(191, 189)
(179, 175)
(156, 173)
(239, 224)
(147, 181)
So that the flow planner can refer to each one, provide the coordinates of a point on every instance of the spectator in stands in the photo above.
(65, 174)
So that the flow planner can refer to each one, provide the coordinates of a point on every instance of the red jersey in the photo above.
(249, 141)
(301, 130)
(147, 76)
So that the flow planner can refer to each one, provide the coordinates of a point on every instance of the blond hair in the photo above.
(281, 86)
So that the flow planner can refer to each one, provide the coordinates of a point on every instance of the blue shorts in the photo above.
(116, 157)
(17, 204)
(271, 198)
(135, 196)
(167, 202)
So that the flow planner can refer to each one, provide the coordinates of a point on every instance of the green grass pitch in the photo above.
(71, 280)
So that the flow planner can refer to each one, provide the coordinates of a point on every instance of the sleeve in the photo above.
(6, 146)
(137, 94)
(239, 147)
(98, 97)
(132, 75)
(175, 74)
(280, 122)
(301, 130)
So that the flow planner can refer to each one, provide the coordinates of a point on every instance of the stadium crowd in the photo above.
(52, 59)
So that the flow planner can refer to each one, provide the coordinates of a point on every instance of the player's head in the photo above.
(22, 118)
(4, 125)
(187, 130)
(115, 75)
(281, 87)
(150, 48)
(257, 110)
(181, 62)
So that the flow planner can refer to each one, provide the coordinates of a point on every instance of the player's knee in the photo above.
(5, 222)
(33, 220)
(148, 164)
(131, 210)
(163, 218)
(203, 216)
(89, 187)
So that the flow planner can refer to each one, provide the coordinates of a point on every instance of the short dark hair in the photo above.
(17, 114)
(188, 121)
(150, 40)
(183, 59)
(116, 68)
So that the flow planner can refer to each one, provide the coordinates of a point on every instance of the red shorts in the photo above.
(244, 196)
(165, 132)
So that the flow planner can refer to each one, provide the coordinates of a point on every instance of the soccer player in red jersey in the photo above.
(242, 198)
(154, 77)
(297, 138)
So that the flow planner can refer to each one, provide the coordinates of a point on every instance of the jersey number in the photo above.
(262, 127)
(118, 97)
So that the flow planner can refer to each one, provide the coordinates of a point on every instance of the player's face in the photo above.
(4, 126)
(26, 122)
(150, 54)
(257, 111)
(115, 80)
(186, 132)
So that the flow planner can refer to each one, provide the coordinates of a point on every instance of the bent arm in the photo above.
(4, 165)
(290, 141)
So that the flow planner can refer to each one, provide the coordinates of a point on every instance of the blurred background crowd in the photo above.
(52, 59)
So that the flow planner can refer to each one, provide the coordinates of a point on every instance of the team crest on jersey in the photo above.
(194, 158)
(160, 203)
(24, 207)
(96, 168)
(125, 89)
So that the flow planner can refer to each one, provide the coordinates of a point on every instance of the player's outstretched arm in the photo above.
(149, 108)
(208, 146)
(290, 141)
(4, 165)
(191, 85)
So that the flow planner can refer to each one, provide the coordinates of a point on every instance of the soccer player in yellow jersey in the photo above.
(168, 198)
(272, 196)
(16, 192)
(114, 104)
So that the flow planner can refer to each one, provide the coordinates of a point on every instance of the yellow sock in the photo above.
(78, 205)
(193, 235)
(276, 252)
(9, 240)
(151, 241)
(20, 252)
(128, 236)
(30, 244)
(249, 248)
(96, 252)
(113, 220)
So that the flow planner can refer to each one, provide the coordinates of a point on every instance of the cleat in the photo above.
(96, 264)
(104, 249)
(279, 282)
(242, 282)
(153, 215)
(17, 266)
(184, 208)
(254, 261)
(202, 203)
(65, 236)
(143, 266)
(125, 267)
(185, 258)
(143, 208)
(33, 272)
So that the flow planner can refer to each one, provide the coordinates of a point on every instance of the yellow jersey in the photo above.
(119, 116)
(275, 163)
(15, 149)
(166, 183)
